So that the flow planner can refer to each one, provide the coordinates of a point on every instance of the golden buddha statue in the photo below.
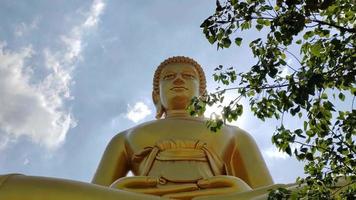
(175, 156)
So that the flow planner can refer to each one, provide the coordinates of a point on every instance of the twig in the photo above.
(351, 30)
(272, 7)
(294, 56)
(262, 88)
(340, 188)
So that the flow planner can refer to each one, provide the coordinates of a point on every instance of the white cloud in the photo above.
(274, 153)
(215, 111)
(96, 9)
(26, 161)
(26, 109)
(289, 61)
(73, 41)
(23, 28)
(285, 72)
(138, 112)
(4, 140)
(37, 109)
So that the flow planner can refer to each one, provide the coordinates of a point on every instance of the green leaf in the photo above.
(309, 156)
(212, 39)
(288, 150)
(298, 131)
(353, 91)
(305, 125)
(246, 25)
(325, 67)
(238, 41)
(259, 27)
(308, 35)
(316, 50)
(226, 42)
(261, 21)
(220, 35)
(267, 23)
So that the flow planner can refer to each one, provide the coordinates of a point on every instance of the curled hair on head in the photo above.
(173, 60)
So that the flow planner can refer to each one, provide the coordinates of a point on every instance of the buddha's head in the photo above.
(176, 81)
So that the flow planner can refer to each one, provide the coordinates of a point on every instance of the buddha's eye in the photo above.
(188, 76)
(168, 77)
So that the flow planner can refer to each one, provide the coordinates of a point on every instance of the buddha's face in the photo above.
(179, 82)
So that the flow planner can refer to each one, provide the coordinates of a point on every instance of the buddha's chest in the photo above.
(179, 131)
(178, 160)
(179, 150)
(192, 144)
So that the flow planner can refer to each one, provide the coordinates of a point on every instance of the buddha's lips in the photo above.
(178, 88)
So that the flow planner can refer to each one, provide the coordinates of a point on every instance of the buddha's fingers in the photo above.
(216, 185)
(199, 193)
(135, 182)
(224, 182)
(162, 190)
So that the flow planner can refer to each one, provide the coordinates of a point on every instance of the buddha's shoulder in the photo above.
(237, 132)
(144, 126)
(164, 123)
(156, 126)
(136, 129)
(240, 135)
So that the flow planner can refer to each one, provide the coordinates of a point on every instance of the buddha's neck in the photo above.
(178, 114)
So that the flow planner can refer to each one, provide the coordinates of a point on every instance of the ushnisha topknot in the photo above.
(173, 60)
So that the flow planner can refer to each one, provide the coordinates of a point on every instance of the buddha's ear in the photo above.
(157, 101)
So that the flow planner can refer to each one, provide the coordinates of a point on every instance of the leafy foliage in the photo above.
(322, 78)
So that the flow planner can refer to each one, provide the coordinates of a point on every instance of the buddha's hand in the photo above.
(150, 185)
(233, 183)
(134, 182)
(215, 185)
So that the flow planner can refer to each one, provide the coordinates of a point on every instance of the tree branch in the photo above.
(341, 187)
(351, 30)
(262, 88)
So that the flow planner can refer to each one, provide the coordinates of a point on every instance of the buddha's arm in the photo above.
(247, 162)
(114, 163)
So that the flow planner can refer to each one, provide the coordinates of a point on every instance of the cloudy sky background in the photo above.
(72, 75)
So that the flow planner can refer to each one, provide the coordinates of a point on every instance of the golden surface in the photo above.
(177, 156)
(173, 157)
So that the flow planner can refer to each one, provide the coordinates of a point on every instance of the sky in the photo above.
(73, 75)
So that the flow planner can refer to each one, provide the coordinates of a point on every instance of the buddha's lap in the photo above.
(154, 185)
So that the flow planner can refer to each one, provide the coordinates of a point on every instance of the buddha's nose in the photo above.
(178, 81)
